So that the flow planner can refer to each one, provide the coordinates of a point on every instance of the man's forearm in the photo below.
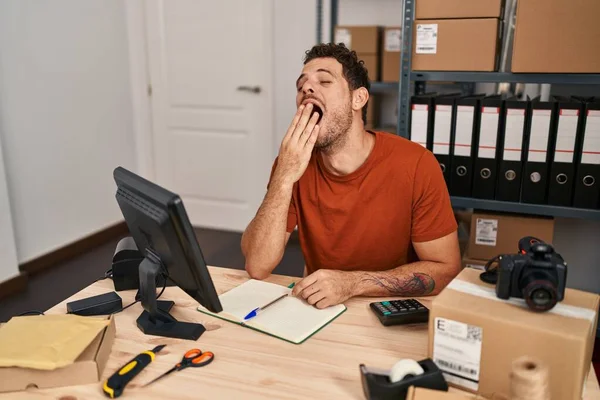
(263, 241)
(420, 278)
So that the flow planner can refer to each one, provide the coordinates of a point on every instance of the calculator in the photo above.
(399, 312)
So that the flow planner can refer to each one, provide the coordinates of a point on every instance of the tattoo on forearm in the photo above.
(419, 284)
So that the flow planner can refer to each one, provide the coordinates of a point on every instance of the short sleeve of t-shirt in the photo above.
(292, 215)
(432, 214)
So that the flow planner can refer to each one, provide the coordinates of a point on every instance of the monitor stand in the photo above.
(156, 320)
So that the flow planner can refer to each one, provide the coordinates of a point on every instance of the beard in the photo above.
(336, 130)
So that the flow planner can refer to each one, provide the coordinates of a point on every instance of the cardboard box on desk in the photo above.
(88, 367)
(419, 393)
(493, 234)
(474, 337)
(456, 44)
(557, 36)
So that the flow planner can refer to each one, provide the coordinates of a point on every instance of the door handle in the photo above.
(252, 89)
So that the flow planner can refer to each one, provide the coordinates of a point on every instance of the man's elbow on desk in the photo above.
(257, 274)
(258, 269)
(260, 262)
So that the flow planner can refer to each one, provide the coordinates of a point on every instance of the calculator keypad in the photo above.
(395, 312)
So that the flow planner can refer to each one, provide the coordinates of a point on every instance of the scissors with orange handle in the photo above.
(193, 358)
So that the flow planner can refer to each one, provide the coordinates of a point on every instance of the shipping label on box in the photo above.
(427, 35)
(343, 35)
(393, 40)
(457, 351)
(486, 231)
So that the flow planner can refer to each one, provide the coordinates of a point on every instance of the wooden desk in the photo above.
(249, 364)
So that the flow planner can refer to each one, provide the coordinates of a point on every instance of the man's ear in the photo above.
(360, 97)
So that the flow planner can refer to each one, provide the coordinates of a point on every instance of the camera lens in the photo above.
(539, 292)
(541, 297)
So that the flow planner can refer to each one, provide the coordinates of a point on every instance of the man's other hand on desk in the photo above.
(325, 288)
(440, 263)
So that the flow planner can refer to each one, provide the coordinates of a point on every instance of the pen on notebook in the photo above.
(255, 312)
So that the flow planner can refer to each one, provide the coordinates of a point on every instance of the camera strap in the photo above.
(491, 274)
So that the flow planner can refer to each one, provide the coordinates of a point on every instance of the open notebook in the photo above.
(290, 318)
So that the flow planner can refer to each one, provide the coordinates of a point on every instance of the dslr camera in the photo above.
(538, 274)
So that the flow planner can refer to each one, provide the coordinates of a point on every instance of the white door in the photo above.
(8, 251)
(210, 71)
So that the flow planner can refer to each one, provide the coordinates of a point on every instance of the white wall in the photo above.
(8, 255)
(65, 117)
(295, 32)
(360, 12)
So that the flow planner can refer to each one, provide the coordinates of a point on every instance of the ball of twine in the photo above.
(529, 379)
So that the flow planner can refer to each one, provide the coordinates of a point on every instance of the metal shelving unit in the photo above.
(525, 208)
(383, 87)
(410, 78)
(500, 77)
(411, 81)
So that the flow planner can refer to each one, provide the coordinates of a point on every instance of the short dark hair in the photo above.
(354, 70)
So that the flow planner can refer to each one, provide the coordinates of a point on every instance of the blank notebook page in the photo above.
(290, 317)
(294, 318)
(244, 298)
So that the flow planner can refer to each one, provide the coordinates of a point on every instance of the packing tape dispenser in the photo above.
(381, 384)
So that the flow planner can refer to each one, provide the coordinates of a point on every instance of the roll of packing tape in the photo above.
(529, 379)
(403, 368)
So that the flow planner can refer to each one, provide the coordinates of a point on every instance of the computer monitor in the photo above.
(159, 224)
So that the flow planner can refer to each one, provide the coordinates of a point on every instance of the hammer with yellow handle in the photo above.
(114, 386)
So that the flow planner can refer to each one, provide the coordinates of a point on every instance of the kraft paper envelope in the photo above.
(47, 341)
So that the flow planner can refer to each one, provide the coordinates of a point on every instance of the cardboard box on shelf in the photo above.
(438, 9)
(390, 64)
(474, 336)
(371, 113)
(365, 41)
(362, 39)
(463, 218)
(372, 64)
(88, 367)
(557, 36)
(493, 234)
(456, 44)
